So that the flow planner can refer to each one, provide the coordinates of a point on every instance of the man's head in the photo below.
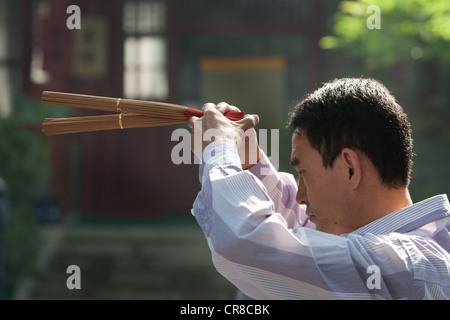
(362, 140)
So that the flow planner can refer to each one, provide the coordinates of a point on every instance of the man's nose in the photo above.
(301, 197)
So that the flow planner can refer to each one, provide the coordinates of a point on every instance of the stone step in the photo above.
(131, 263)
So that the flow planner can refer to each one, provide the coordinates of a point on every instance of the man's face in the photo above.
(321, 189)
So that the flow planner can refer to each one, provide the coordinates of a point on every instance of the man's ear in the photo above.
(352, 164)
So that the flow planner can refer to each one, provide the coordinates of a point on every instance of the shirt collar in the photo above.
(409, 218)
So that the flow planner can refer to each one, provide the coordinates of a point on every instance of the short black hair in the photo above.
(358, 113)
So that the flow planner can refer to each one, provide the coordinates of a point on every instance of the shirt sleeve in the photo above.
(256, 248)
(281, 187)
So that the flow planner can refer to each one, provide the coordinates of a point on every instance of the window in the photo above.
(145, 55)
(40, 10)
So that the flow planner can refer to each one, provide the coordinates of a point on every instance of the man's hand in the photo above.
(214, 126)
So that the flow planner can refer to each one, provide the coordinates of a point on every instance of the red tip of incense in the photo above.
(190, 112)
(233, 116)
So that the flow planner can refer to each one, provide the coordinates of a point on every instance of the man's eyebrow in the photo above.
(295, 162)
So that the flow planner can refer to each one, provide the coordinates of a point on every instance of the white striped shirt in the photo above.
(262, 241)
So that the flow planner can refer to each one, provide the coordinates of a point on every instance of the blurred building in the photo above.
(260, 55)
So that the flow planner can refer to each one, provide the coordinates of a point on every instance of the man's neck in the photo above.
(388, 201)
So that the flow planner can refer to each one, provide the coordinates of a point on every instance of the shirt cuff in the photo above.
(221, 152)
(263, 167)
(265, 172)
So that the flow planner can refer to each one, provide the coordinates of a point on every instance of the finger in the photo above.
(225, 107)
(191, 121)
(209, 109)
(248, 122)
(208, 106)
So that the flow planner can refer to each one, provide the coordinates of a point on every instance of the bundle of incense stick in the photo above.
(129, 113)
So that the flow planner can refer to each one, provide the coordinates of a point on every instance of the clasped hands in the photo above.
(214, 126)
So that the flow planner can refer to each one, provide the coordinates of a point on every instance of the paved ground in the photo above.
(166, 262)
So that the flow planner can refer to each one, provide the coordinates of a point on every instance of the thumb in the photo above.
(191, 121)
(248, 122)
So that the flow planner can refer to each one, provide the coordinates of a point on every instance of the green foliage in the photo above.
(25, 169)
(22, 161)
(414, 36)
(23, 158)
(410, 29)
(22, 242)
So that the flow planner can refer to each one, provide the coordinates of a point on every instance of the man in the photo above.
(352, 149)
